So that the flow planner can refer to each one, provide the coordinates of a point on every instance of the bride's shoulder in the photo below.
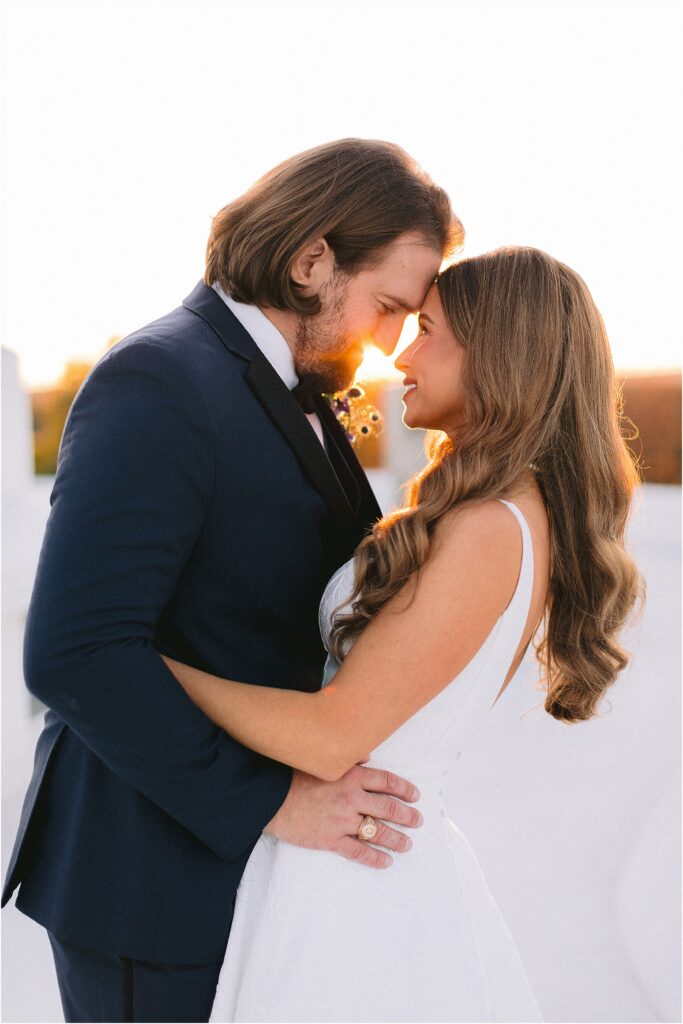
(481, 522)
(472, 564)
(478, 545)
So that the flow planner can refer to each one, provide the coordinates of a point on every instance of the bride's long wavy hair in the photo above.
(540, 391)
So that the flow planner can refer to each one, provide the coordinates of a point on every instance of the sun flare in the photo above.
(377, 366)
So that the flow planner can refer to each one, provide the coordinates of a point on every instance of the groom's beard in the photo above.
(322, 347)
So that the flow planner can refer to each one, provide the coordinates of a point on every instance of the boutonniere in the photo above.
(358, 418)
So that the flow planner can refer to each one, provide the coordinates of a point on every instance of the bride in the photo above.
(518, 519)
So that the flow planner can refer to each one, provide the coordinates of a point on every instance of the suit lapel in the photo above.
(338, 460)
(365, 502)
(291, 420)
(275, 397)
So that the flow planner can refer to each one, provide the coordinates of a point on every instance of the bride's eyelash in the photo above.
(387, 309)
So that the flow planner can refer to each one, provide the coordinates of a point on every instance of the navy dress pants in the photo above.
(96, 986)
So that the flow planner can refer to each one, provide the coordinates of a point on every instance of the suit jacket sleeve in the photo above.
(133, 483)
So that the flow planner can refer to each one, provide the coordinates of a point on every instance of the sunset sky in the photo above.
(128, 125)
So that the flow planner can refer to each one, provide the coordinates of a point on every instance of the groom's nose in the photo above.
(386, 339)
(385, 347)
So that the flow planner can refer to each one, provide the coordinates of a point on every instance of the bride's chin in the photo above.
(411, 417)
(413, 422)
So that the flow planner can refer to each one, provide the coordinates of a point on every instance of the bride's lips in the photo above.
(410, 386)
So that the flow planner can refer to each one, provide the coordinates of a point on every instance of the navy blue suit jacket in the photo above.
(196, 514)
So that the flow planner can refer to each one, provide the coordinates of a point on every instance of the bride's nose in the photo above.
(402, 361)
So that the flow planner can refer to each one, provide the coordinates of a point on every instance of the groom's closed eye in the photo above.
(404, 305)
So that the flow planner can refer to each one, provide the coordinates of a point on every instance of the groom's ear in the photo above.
(312, 266)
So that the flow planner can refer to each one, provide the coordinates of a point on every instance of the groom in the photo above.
(204, 496)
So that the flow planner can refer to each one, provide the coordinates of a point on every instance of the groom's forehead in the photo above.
(407, 271)
(406, 290)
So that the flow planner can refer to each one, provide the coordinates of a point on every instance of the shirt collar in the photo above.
(265, 334)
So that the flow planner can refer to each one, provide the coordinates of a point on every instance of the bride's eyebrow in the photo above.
(423, 316)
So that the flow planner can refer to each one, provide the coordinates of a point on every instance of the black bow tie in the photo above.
(306, 390)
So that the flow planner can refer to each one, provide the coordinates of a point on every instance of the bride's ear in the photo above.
(312, 266)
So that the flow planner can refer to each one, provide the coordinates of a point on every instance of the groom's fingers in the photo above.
(390, 809)
(375, 780)
(355, 849)
(391, 838)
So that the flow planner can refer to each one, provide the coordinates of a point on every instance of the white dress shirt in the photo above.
(271, 343)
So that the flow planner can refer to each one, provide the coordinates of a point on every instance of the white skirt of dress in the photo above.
(319, 938)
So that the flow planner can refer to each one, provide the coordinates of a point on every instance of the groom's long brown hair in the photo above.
(540, 391)
(358, 194)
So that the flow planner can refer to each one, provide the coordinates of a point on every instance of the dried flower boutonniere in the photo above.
(358, 418)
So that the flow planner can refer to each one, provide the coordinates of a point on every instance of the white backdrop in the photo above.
(127, 125)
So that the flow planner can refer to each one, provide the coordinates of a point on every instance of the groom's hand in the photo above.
(326, 815)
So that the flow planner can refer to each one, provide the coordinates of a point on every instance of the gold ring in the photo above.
(368, 829)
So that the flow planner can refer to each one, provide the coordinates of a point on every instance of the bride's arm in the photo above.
(406, 655)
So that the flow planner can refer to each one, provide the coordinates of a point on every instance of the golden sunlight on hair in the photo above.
(553, 335)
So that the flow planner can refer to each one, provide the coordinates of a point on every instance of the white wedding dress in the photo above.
(319, 938)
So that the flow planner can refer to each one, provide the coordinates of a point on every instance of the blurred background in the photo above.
(126, 126)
